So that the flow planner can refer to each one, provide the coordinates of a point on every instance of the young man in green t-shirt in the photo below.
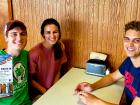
(16, 39)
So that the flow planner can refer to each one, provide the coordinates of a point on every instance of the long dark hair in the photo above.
(57, 46)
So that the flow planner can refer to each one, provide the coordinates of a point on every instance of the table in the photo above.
(61, 93)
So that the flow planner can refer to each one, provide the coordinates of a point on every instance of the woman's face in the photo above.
(51, 34)
(132, 43)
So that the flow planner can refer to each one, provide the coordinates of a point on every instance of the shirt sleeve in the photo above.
(123, 66)
(32, 62)
(138, 94)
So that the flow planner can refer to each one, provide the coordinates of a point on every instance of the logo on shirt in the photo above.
(19, 72)
(128, 83)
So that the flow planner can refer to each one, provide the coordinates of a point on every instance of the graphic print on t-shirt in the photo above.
(19, 72)
(128, 83)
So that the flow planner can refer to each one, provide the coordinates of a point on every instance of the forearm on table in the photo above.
(102, 102)
(103, 82)
(107, 103)
(38, 86)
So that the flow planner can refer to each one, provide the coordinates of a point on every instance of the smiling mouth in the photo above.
(18, 43)
(52, 40)
(131, 49)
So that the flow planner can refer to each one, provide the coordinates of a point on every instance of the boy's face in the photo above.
(132, 43)
(16, 39)
(51, 34)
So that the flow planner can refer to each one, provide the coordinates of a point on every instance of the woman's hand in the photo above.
(84, 86)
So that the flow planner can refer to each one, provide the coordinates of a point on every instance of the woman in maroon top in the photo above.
(46, 58)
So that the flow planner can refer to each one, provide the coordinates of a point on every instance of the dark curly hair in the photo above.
(135, 25)
(57, 45)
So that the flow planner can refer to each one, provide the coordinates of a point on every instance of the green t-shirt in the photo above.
(20, 75)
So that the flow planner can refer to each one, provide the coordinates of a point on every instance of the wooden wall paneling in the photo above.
(87, 25)
(10, 14)
(83, 32)
(76, 32)
(95, 24)
(100, 25)
(114, 24)
(105, 26)
(134, 9)
(89, 30)
(68, 22)
(86, 36)
(138, 10)
(5, 16)
(120, 32)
